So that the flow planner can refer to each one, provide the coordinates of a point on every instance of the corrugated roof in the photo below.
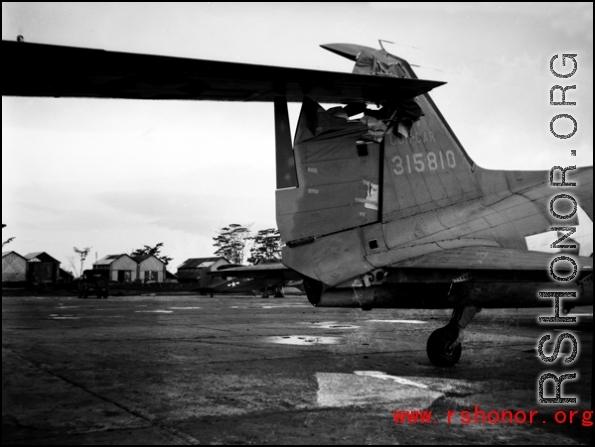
(205, 264)
(195, 263)
(33, 255)
(107, 260)
(141, 258)
(42, 256)
(6, 253)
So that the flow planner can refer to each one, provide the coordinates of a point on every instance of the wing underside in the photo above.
(57, 71)
(266, 271)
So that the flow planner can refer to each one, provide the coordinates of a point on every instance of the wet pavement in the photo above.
(245, 370)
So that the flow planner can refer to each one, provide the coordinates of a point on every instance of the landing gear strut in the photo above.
(444, 345)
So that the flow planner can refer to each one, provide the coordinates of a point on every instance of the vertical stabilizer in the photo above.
(425, 166)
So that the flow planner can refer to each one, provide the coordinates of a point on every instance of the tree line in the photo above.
(232, 240)
(230, 243)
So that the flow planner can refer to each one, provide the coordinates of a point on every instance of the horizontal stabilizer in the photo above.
(490, 258)
(57, 71)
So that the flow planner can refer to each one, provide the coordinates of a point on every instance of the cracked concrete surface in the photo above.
(206, 374)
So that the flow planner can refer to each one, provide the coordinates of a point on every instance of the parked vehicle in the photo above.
(94, 282)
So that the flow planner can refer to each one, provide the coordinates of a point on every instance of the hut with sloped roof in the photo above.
(122, 268)
(65, 277)
(149, 269)
(14, 267)
(195, 270)
(42, 268)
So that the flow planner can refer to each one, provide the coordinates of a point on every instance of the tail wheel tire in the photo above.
(443, 347)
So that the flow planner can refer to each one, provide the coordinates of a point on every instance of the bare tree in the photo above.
(72, 265)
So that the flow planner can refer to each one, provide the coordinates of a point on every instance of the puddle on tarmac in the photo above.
(373, 388)
(303, 340)
(384, 376)
(331, 325)
(273, 306)
(154, 311)
(184, 308)
(283, 306)
(398, 321)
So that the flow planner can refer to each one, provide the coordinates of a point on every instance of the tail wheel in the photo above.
(443, 347)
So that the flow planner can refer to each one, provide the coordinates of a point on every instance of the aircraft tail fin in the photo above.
(357, 165)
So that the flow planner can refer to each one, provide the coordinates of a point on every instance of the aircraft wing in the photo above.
(261, 271)
(58, 71)
(490, 258)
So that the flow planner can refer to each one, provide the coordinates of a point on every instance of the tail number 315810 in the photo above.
(420, 163)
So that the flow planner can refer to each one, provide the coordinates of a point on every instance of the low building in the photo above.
(122, 268)
(170, 277)
(195, 270)
(42, 268)
(14, 267)
(65, 277)
(149, 269)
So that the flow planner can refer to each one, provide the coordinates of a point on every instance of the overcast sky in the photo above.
(116, 175)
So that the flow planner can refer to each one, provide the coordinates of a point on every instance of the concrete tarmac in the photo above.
(246, 370)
